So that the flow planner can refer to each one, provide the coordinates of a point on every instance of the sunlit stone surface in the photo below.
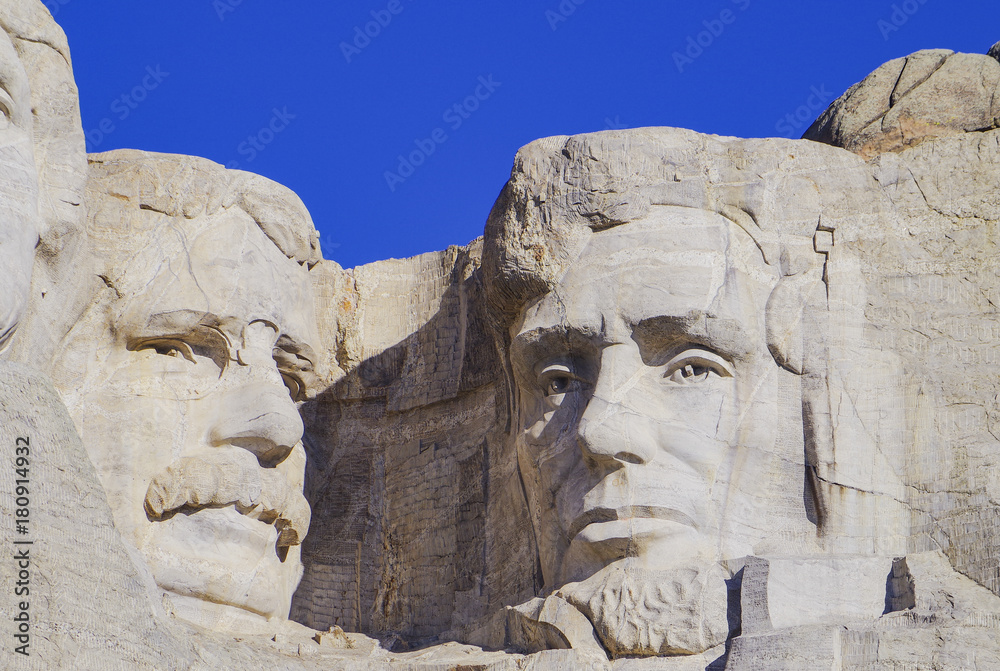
(692, 402)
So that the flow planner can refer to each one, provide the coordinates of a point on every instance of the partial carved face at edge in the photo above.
(19, 218)
(640, 378)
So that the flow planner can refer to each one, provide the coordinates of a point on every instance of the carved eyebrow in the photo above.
(540, 342)
(181, 321)
(176, 322)
(294, 355)
(192, 327)
(656, 336)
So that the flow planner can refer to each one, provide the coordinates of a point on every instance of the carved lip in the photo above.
(599, 515)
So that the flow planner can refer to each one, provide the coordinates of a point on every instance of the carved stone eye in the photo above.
(557, 382)
(295, 386)
(690, 373)
(166, 347)
(556, 379)
(559, 385)
(697, 365)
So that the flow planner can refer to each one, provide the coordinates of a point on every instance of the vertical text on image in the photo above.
(22, 545)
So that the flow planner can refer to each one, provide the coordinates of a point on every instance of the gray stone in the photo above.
(925, 95)
(692, 402)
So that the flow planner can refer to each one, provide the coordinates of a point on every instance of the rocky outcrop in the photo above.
(928, 94)
(692, 402)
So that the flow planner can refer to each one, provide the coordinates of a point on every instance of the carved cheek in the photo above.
(538, 415)
(535, 430)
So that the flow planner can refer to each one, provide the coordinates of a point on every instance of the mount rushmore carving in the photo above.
(691, 402)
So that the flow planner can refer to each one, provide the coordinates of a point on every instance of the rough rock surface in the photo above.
(402, 450)
(692, 402)
(933, 93)
(112, 620)
(59, 151)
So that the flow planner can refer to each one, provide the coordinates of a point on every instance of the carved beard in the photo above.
(642, 612)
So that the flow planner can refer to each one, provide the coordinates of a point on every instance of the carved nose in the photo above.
(258, 417)
(608, 433)
(608, 430)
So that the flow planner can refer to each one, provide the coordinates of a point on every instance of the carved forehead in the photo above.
(180, 235)
(221, 265)
(692, 268)
(563, 189)
(14, 81)
(124, 182)
(667, 240)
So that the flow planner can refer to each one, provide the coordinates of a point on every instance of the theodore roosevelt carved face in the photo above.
(195, 359)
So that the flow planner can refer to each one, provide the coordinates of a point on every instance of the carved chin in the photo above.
(220, 556)
(641, 612)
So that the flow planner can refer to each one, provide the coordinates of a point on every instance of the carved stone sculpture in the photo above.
(43, 181)
(20, 189)
(200, 344)
(692, 402)
(36, 82)
(669, 342)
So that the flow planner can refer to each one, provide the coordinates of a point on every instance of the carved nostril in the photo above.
(269, 454)
(630, 458)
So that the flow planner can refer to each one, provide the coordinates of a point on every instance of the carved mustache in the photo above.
(231, 479)
(598, 515)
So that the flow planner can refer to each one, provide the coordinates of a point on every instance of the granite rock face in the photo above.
(692, 402)
(933, 93)
(200, 338)
(43, 184)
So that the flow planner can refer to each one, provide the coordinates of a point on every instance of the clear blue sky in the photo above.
(330, 112)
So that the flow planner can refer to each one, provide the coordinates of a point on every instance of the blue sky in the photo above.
(327, 97)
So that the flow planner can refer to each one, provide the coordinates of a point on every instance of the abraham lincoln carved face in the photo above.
(651, 291)
(640, 376)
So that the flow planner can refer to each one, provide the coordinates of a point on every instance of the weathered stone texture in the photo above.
(927, 94)
(110, 623)
(400, 450)
(692, 402)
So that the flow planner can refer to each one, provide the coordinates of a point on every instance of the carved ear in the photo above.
(786, 340)
(783, 317)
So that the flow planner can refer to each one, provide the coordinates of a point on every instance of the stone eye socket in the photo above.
(559, 385)
(166, 347)
(691, 373)
(296, 388)
(697, 365)
(556, 381)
